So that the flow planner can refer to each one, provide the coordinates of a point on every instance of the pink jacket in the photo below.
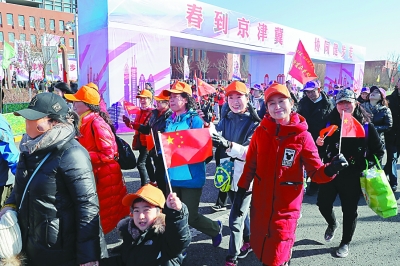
(275, 160)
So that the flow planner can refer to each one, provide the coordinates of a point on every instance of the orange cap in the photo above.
(92, 85)
(276, 88)
(85, 94)
(236, 86)
(145, 94)
(180, 87)
(149, 193)
(163, 96)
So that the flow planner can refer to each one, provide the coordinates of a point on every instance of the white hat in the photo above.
(10, 235)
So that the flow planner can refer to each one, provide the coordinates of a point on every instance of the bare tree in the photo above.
(320, 70)
(204, 65)
(392, 67)
(244, 67)
(42, 47)
(223, 67)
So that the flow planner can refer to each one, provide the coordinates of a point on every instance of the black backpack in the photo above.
(126, 158)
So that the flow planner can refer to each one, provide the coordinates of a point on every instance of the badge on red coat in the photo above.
(288, 157)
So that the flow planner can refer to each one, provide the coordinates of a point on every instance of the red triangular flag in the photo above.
(186, 146)
(204, 88)
(328, 130)
(302, 68)
(351, 128)
(149, 142)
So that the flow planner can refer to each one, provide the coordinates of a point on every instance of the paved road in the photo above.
(376, 240)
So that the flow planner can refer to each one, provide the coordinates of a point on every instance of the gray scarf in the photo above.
(58, 133)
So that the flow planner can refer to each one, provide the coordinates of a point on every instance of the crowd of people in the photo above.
(69, 190)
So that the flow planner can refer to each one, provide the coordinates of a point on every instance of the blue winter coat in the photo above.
(190, 175)
(8, 151)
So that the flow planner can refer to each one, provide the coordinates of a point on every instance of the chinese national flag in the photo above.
(351, 128)
(186, 146)
(302, 68)
(204, 88)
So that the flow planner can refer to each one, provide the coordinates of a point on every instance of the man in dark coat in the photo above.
(315, 108)
(392, 137)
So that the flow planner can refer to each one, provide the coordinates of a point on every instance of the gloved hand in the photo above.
(219, 141)
(127, 121)
(238, 200)
(338, 163)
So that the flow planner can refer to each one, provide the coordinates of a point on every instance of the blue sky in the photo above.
(373, 24)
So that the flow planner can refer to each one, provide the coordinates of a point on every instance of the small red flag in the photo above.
(351, 128)
(302, 68)
(186, 146)
(204, 88)
(132, 110)
(328, 131)
(149, 142)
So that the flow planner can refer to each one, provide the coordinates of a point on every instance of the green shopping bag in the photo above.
(377, 192)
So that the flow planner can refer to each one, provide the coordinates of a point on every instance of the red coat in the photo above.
(99, 141)
(275, 160)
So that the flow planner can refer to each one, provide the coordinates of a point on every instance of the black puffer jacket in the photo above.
(392, 137)
(315, 113)
(357, 151)
(381, 118)
(59, 216)
(162, 244)
(156, 123)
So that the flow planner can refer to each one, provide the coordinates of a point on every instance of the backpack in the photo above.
(223, 176)
(126, 158)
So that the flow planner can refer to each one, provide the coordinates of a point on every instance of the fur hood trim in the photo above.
(158, 226)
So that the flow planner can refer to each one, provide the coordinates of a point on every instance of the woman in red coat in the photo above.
(278, 150)
(98, 138)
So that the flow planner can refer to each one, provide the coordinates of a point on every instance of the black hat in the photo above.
(44, 104)
(62, 86)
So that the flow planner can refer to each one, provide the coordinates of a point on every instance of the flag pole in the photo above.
(341, 129)
(165, 163)
(154, 140)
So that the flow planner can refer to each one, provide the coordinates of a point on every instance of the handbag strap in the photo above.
(30, 179)
(377, 163)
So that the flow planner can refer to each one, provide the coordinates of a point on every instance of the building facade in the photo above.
(382, 73)
(27, 23)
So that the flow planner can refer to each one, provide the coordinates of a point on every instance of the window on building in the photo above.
(61, 25)
(48, 6)
(11, 37)
(32, 22)
(196, 55)
(1, 19)
(58, 7)
(52, 24)
(33, 39)
(71, 42)
(62, 40)
(185, 51)
(1, 37)
(203, 54)
(22, 37)
(42, 23)
(10, 19)
(21, 20)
